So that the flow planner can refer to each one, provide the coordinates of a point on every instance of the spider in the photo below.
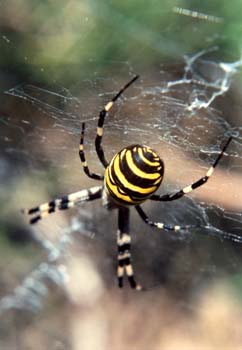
(132, 176)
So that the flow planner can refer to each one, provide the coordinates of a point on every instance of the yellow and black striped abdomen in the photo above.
(133, 175)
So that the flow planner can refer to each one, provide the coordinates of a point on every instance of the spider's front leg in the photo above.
(102, 116)
(124, 255)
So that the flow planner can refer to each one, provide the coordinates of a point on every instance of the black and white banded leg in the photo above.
(198, 183)
(63, 203)
(124, 255)
(161, 225)
(83, 158)
(102, 116)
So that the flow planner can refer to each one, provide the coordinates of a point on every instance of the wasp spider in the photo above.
(132, 177)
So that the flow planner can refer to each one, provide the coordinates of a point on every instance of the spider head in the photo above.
(133, 175)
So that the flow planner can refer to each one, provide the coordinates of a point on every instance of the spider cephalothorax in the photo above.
(133, 175)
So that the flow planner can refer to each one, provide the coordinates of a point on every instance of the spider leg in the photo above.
(161, 225)
(83, 158)
(193, 186)
(102, 116)
(65, 202)
(124, 255)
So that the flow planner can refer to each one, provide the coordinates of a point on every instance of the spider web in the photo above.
(185, 115)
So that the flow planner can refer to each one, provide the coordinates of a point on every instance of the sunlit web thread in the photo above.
(220, 86)
(29, 294)
(39, 97)
(196, 14)
(223, 235)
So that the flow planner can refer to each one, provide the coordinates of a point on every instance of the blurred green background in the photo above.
(69, 40)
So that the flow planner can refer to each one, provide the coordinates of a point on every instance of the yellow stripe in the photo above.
(44, 214)
(108, 106)
(137, 171)
(145, 160)
(113, 188)
(127, 184)
(120, 271)
(148, 149)
(210, 171)
(122, 154)
(109, 170)
(44, 207)
(99, 131)
(157, 182)
(129, 270)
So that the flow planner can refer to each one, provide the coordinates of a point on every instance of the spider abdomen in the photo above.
(133, 175)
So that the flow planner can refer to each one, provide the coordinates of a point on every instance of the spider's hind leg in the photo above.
(124, 255)
(66, 202)
(194, 185)
(161, 225)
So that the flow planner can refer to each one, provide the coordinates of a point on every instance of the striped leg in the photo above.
(102, 116)
(160, 225)
(124, 255)
(83, 159)
(200, 182)
(65, 202)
